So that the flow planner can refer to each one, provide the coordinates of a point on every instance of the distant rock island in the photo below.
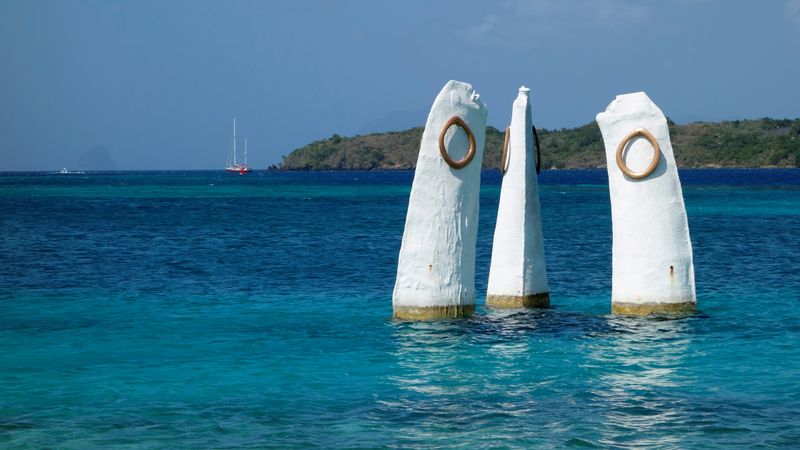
(96, 158)
(740, 143)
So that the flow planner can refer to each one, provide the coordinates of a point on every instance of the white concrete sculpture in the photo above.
(436, 266)
(652, 268)
(517, 275)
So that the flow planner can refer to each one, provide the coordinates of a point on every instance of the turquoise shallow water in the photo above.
(201, 309)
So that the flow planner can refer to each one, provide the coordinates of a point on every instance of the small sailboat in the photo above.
(233, 166)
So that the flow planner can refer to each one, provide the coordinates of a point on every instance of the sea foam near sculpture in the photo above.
(652, 266)
(436, 265)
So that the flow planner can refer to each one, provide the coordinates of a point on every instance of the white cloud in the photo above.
(595, 11)
(522, 19)
(530, 6)
(792, 11)
(484, 28)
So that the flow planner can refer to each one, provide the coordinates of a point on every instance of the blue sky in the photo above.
(157, 83)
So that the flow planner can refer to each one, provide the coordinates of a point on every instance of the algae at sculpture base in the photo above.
(652, 265)
(517, 274)
(436, 265)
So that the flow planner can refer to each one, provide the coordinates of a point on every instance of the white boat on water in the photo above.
(64, 171)
(233, 166)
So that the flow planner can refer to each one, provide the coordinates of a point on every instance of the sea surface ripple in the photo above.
(208, 310)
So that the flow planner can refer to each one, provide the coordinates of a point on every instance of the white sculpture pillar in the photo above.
(652, 268)
(517, 275)
(436, 266)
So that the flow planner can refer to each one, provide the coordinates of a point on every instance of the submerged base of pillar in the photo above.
(433, 312)
(649, 309)
(519, 301)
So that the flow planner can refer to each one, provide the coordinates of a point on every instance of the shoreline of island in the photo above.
(756, 143)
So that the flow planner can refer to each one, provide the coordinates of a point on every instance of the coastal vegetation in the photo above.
(740, 143)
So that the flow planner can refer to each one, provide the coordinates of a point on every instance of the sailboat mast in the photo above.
(245, 151)
(234, 141)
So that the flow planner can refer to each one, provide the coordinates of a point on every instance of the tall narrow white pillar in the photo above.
(436, 266)
(517, 275)
(652, 268)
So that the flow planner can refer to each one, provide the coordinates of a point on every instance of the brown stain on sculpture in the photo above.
(672, 277)
(519, 301)
(653, 309)
(428, 313)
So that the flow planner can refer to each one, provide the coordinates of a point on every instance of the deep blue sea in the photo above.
(208, 310)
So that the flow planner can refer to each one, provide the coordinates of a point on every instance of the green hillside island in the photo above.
(740, 143)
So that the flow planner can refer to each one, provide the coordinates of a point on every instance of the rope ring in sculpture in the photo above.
(455, 120)
(656, 154)
(538, 151)
(505, 152)
(504, 158)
